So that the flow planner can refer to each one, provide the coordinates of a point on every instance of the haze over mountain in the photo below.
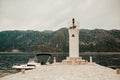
(97, 40)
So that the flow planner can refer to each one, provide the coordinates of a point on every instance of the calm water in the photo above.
(109, 59)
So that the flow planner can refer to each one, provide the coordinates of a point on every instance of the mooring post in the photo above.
(54, 61)
(90, 59)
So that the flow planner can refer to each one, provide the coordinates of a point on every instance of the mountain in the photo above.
(97, 40)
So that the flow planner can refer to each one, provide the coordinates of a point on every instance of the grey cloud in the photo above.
(54, 14)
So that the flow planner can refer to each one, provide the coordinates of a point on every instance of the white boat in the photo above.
(32, 63)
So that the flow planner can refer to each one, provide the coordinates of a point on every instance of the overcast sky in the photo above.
(54, 14)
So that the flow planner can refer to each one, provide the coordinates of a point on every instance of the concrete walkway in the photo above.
(67, 72)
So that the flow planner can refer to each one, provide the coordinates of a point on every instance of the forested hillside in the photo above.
(97, 40)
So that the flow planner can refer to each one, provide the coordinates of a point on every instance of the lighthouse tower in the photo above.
(73, 40)
(74, 57)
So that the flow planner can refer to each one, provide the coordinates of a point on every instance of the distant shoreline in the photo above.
(59, 52)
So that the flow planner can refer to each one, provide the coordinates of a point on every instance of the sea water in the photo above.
(7, 60)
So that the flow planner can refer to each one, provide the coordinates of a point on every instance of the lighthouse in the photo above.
(73, 40)
(73, 57)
